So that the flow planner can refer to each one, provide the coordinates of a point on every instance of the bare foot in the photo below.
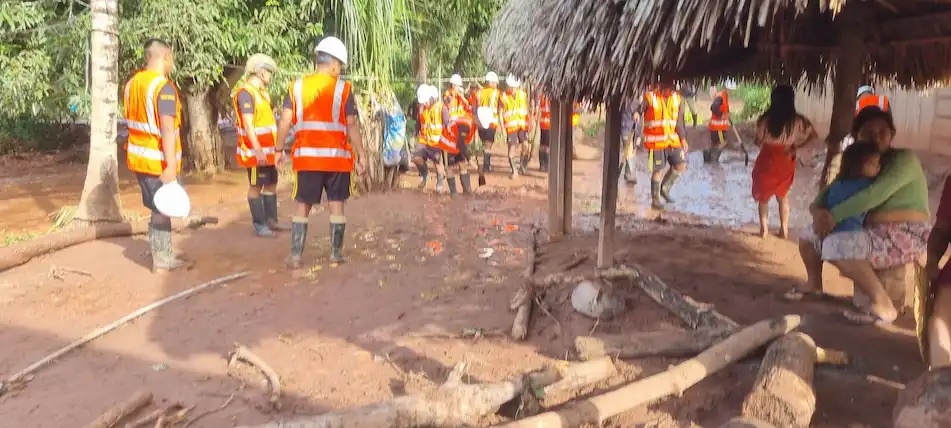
(764, 233)
(784, 233)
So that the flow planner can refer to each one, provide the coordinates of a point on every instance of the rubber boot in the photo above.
(543, 161)
(160, 245)
(451, 181)
(669, 180)
(423, 175)
(439, 183)
(656, 201)
(707, 155)
(270, 211)
(487, 162)
(298, 238)
(525, 160)
(715, 154)
(259, 217)
(514, 164)
(630, 175)
(466, 184)
(482, 181)
(337, 230)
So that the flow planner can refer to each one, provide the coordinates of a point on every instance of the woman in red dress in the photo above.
(780, 132)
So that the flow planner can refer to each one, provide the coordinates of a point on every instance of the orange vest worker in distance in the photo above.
(515, 121)
(544, 134)
(431, 132)
(490, 99)
(719, 121)
(867, 97)
(257, 134)
(153, 114)
(460, 131)
(663, 113)
(328, 145)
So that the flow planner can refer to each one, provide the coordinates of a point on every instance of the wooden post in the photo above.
(849, 67)
(609, 178)
(559, 173)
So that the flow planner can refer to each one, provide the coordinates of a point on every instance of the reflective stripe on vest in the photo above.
(144, 152)
(489, 97)
(515, 111)
(869, 100)
(264, 127)
(320, 136)
(660, 122)
(721, 122)
(544, 105)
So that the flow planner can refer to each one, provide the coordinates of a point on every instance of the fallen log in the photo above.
(122, 410)
(451, 405)
(696, 315)
(582, 374)
(672, 343)
(598, 409)
(782, 394)
(240, 353)
(21, 253)
(924, 402)
(525, 297)
(89, 337)
(746, 423)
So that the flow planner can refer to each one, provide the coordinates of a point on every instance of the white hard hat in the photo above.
(512, 82)
(433, 92)
(171, 200)
(491, 77)
(333, 47)
(863, 89)
(456, 80)
(258, 61)
(422, 94)
(729, 84)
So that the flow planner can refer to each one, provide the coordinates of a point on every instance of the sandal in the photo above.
(864, 317)
(797, 294)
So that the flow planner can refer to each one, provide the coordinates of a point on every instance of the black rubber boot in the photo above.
(439, 183)
(630, 175)
(423, 175)
(669, 180)
(270, 211)
(451, 181)
(259, 218)
(466, 184)
(487, 162)
(160, 245)
(482, 181)
(337, 231)
(514, 164)
(525, 160)
(707, 155)
(543, 161)
(298, 238)
(656, 201)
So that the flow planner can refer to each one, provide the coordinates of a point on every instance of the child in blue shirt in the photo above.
(861, 162)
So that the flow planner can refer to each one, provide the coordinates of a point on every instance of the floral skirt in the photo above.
(884, 245)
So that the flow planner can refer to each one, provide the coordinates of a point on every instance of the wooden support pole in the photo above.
(609, 178)
(568, 167)
(559, 173)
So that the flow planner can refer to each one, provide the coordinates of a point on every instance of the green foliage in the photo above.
(27, 133)
(755, 100)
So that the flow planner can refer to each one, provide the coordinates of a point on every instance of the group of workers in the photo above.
(319, 110)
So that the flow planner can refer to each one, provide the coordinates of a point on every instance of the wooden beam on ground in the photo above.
(559, 173)
(610, 171)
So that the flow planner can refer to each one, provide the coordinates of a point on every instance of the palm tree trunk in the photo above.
(100, 198)
(420, 63)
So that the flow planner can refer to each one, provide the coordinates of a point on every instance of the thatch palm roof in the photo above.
(592, 48)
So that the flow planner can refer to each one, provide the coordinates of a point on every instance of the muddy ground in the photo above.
(392, 320)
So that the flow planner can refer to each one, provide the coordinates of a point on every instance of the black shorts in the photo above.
(517, 137)
(544, 137)
(717, 138)
(429, 153)
(487, 135)
(262, 176)
(670, 156)
(149, 184)
(310, 185)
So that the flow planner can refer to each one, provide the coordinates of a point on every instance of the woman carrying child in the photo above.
(780, 132)
(895, 230)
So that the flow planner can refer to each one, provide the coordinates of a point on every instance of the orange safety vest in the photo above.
(140, 109)
(264, 126)
(870, 100)
(660, 121)
(721, 122)
(460, 111)
(489, 98)
(544, 106)
(515, 111)
(576, 114)
(319, 103)
(436, 133)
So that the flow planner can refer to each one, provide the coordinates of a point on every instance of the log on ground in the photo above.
(21, 253)
(925, 402)
(746, 423)
(580, 375)
(597, 410)
(673, 343)
(782, 394)
(121, 411)
(452, 405)
(696, 315)
(526, 295)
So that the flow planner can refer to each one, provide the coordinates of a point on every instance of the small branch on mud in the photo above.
(579, 375)
(166, 416)
(576, 261)
(240, 353)
(674, 381)
(122, 410)
(541, 305)
(23, 252)
(209, 412)
(89, 337)
(57, 272)
(523, 313)
(467, 333)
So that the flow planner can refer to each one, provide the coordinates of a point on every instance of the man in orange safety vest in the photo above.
(662, 111)
(719, 121)
(866, 97)
(328, 145)
(152, 111)
(515, 121)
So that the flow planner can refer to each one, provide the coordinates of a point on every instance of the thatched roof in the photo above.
(589, 48)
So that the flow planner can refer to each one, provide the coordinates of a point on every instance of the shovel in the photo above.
(746, 154)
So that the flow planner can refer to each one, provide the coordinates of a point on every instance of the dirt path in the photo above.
(390, 322)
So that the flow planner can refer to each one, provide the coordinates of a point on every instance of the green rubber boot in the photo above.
(298, 238)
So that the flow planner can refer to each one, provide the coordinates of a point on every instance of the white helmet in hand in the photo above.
(333, 47)
(512, 82)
